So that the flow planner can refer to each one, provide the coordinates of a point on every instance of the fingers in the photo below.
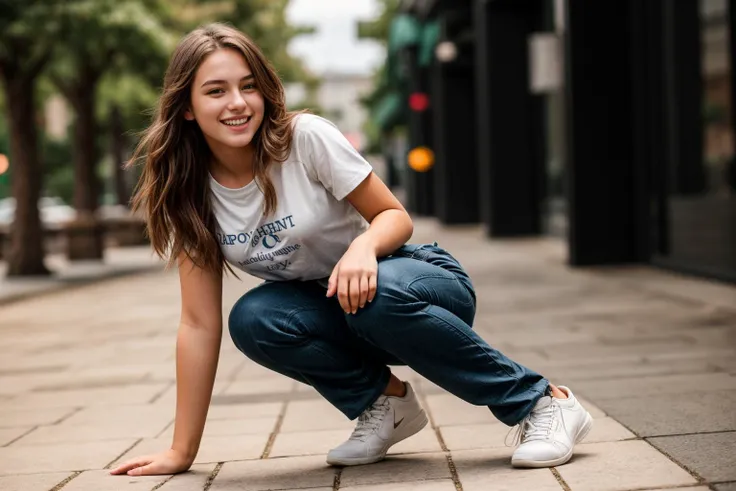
(363, 291)
(146, 470)
(343, 293)
(372, 286)
(130, 465)
(354, 293)
(332, 282)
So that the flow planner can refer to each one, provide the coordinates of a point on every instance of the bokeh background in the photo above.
(608, 129)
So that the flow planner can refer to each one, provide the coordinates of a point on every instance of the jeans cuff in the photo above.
(377, 391)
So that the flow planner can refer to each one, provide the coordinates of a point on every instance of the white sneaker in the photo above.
(549, 433)
(386, 422)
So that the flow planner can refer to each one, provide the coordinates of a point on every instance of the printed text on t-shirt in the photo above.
(266, 234)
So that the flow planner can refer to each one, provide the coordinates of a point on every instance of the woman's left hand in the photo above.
(354, 277)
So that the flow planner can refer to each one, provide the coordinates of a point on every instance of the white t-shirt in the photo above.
(313, 224)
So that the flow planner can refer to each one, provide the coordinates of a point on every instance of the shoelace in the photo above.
(370, 420)
(536, 426)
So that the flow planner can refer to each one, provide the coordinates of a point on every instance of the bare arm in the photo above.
(390, 224)
(197, 353)
(354, 278)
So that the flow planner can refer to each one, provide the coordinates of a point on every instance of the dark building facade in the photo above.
(607, 124)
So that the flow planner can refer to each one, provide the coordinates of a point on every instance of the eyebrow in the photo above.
(214, 82)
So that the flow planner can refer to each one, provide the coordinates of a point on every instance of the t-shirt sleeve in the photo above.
(330, 157)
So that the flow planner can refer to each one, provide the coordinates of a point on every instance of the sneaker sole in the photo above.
(582, 433)
(410, 428)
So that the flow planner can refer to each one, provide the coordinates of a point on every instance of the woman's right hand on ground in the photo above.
(168, 462)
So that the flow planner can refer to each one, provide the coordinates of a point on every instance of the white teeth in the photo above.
(236, 122)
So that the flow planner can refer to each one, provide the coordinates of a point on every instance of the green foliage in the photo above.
(378, 30)
(264, 21)
(132, 95)
(100, 36)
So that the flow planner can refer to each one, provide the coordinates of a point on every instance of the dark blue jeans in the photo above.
(421, 316)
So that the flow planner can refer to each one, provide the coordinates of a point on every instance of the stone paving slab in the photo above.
(398, 469)
(103, 481)
(633, 370)
(268, 474)
(696, 413)
(434, 485)
(621, 466)
(731, 486)
(57, 458)
(480, 470)
(108, 430)
(224, 427)
(7, 435)
(448, 410)
(687, 488)
(131, 394)
(320, 442)
(118, 262)
(712, 454)
(32, 417)
(213, 449)
(32, 482)
(194, 479)
(654, 386)
(330, 418)
(238, 411)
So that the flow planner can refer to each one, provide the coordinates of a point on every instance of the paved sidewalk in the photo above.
(118, 261)
(87, 380)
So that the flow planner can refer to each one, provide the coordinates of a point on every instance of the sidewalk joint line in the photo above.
(336, 481)
(274, 433)
(161, 394)
(450, 463)
(159, 485)
(697, 477)
(64, 418)
(19, 437)
(123, 453)
(453, 471)
(213, 475)
(65, 481)
(676, 486)
(166, 428)
(710, 432)
(560, 479)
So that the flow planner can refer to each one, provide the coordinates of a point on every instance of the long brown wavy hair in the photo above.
(173, 191)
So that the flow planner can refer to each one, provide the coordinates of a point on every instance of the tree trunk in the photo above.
(26, 255)
(85, 235)
(117, 139)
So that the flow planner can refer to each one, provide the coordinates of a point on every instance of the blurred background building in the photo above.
(608, 126)
(338, 98)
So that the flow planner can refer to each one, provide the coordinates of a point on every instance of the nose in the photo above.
(237, 102)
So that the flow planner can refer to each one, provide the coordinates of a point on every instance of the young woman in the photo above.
(232, 178)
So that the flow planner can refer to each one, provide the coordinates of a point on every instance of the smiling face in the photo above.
(225, 102)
